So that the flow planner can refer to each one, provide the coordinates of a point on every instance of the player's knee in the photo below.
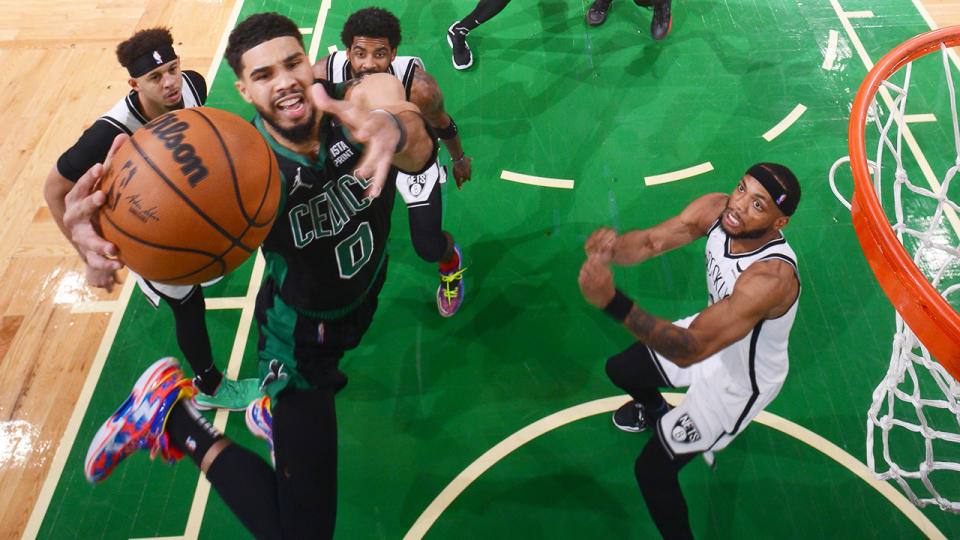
(615, 368)
(428, 246)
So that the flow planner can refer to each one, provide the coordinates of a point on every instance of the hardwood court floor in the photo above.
(548, 97)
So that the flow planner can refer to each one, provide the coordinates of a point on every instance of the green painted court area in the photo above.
(605, 107)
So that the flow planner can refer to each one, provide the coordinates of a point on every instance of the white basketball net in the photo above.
(915, 407)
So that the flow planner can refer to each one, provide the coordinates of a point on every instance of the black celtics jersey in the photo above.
(329, 239)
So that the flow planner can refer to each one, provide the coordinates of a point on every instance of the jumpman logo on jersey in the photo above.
(298, 183)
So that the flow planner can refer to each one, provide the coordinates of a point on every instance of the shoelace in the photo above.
(448, 280)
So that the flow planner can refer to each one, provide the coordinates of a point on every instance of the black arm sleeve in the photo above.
(196, 81)
(91, 148)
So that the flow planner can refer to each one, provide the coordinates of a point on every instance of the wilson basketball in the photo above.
(190, 196)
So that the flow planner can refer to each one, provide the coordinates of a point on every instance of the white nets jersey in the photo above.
(402, 67)
(731, 387)
(414, 188)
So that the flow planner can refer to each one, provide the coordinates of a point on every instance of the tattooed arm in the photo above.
(425, 93)
(765, 290)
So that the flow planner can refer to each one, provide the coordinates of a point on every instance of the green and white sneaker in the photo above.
(231, 395)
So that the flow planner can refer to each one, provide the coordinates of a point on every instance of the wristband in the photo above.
(619, 307)
(448, 132)
(403, 130)
(462, 157)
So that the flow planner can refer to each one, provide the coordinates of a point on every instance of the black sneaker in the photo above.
(660, 25)
(631, 417)
(597, 13)
(456, 37)
(644, 3)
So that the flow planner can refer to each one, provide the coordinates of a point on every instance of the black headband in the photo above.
(151, 60)
(779, 195)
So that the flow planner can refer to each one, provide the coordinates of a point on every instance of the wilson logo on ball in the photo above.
(170, 131)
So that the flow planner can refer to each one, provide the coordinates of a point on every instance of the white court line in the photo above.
(599, 406)
(859, 14)
(537, 180)
(830, 55)
(305, 31)
(917, 118)
(101, 306)
(227, 302)
(678, 175)
(331, 49)
(96, 367)
(318, 30)
(784, 124)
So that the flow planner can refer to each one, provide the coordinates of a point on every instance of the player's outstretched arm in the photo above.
(425, 94)
(392, 130)
(634, 247)
(765, 290)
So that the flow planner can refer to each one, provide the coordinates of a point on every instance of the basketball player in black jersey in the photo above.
(659, 25)
(457, 33)
(371, 37)
(157, 86)
(732, 355)
(326, 262)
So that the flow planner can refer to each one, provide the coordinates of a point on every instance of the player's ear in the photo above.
(393, 54)
(781, 222)
(242, 88)
(133, 84)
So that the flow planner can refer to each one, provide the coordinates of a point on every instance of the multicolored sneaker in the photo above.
(451, 291)
(231, 395)
(140, 421)
(260, 421)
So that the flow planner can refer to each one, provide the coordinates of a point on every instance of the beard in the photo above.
(298, 133)
(749, 234)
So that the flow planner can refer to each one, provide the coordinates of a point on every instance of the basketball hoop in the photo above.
(927, 326)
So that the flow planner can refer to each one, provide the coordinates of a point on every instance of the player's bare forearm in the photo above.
(419, 147)
(678, 344)
(55, 189)
(454, 148)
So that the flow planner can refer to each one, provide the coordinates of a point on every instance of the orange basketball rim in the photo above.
(934, 321)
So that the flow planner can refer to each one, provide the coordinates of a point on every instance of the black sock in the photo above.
(189, 317)
(653, 403)
(484, 11)
(208, 380)
(190, 431)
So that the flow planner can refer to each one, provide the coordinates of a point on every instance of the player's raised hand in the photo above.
(596, 283)
(600, 245)
(82, 203)
(377, 115)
